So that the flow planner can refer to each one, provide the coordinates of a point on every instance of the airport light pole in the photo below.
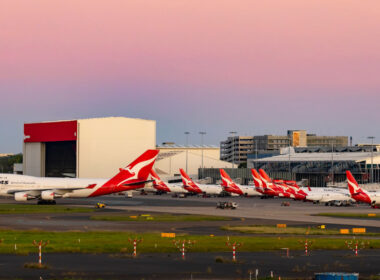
(202, 133)
(187, 146)
(371, 137)
(332, 162)
(290, 171)
(233, 147)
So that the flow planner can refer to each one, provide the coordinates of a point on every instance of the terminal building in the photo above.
(85, 148)
(236, 148)
(317, 166)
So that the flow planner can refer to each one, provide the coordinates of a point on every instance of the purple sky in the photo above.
(256, 67)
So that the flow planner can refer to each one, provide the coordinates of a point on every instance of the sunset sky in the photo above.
(255, 67)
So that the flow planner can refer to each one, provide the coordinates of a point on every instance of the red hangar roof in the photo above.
(50, 131)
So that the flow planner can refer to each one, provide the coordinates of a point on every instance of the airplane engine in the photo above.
(48, 195)
(22, 196)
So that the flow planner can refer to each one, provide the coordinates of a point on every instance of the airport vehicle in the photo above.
(24, 188)
(360, 195)
(193, 187)
(231, 187)
(161, 186)
(100, 205)
(226, 205)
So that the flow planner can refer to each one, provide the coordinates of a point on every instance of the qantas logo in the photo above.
(355, 187)
(157, 180)
(257, 181)
(228, 181)
(134, 171)
(187, 181)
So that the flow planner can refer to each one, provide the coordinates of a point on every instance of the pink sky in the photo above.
(293, 52)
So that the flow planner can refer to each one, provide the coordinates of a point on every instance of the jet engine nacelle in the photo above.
(21, 196)
(48, 195)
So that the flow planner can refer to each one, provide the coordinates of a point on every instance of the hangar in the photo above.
(85, 148)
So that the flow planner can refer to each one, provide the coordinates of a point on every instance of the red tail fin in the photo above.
(264, 175)
(226, 179)
(256, 179)
(185, 178)
(353, 185)
(133, 176)
(265, 178)
(155, 177)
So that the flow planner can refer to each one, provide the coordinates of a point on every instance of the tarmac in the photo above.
(250, 211)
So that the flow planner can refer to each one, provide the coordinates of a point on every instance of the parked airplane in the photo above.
(271, 188)
(288, 189)
(161, 186)
(192, 187)
(24, 188)
(231, 187)
(361, 195)
(317, 195)
(258, 182)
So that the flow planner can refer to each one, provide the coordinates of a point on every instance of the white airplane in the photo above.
(326, 195)
(192, 187)
(161, 186)
(361, 195)
(231, 187)
(46, 190)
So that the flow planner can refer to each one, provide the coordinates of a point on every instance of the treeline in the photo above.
(6, 163)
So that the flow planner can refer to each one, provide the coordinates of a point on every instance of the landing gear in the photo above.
(46, 202)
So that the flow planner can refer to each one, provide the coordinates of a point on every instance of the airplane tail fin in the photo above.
(226, 179)
(256, 179)
(265, 178)
(134, 176)
(156, 179)
(353, 185)
(185, 178)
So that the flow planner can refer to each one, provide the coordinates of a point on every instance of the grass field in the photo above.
(159, 218)
(117, 242)
(351, 215)
(34, 208)
(288, 230)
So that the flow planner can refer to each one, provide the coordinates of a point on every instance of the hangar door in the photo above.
(60, 159)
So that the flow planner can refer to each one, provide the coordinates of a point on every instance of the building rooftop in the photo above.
(186, 147)
(346, 156)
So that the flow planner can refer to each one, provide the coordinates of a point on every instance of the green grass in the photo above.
(349, 215)
(34, 208)
(159, 218)
(117, 242)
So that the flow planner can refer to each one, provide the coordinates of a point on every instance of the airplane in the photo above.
(46, 190)
(326, 195)
(270, 188)
(316, 195)
(360, 195)
(258, 182)
(231, 187)
(195, 188)
(289, 189)
(163, 187)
